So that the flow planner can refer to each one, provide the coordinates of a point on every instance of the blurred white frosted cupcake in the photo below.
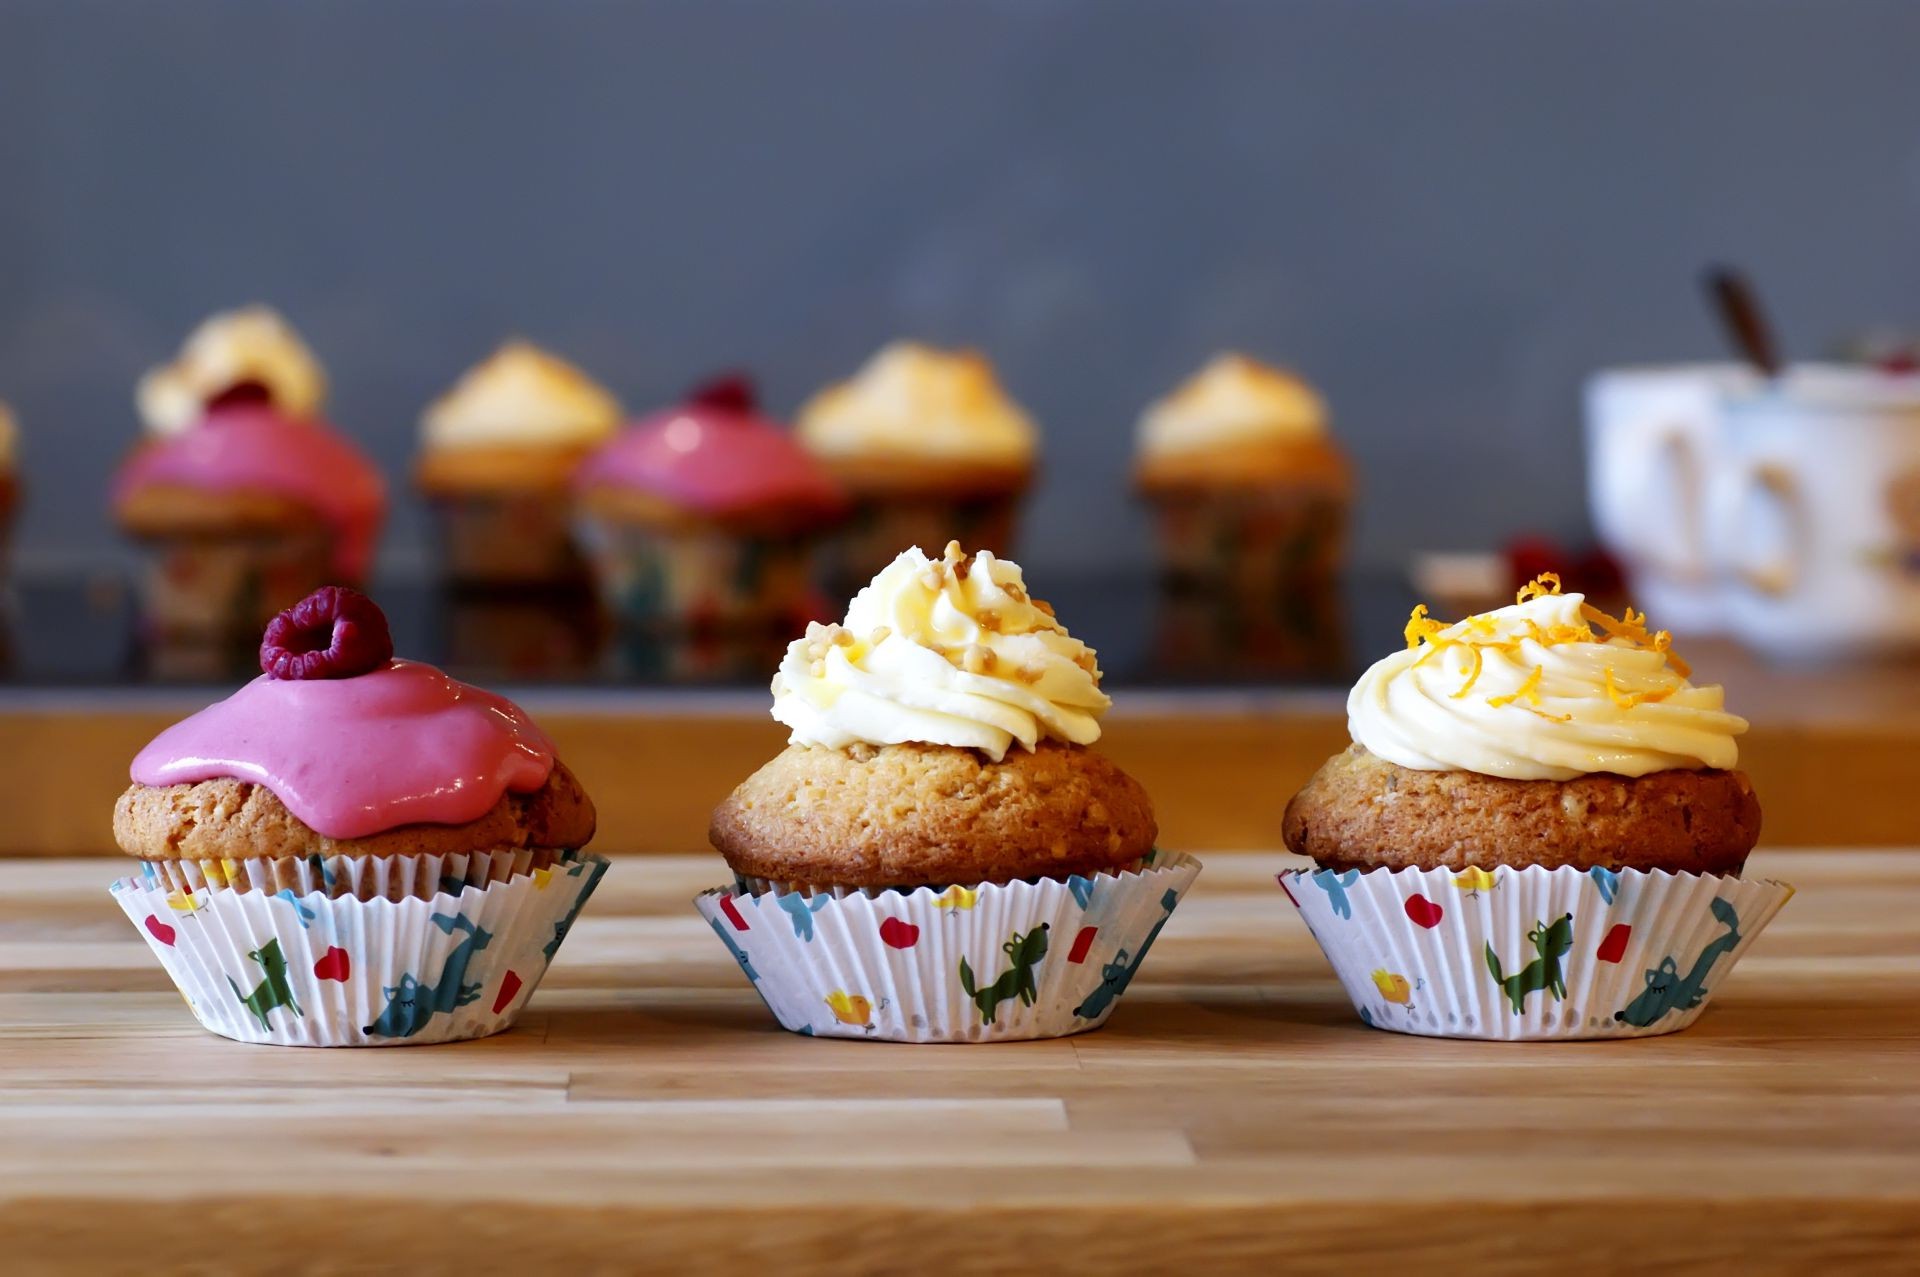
(1250, 492)
(498, 453)
(929, 447)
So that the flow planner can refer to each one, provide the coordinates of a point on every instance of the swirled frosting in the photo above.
(914, 401)
(948, 651)
(237, 347)
(351, 757)
(1234, 400)
(1548, 689)
(521, 395)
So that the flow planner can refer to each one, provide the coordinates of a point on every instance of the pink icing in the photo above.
(248, 446)
(712, 460)
(403, 745)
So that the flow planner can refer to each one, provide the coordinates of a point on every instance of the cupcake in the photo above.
(9, 486)
(929, 448)
(704, 515)
(940, 855)
(353, 850)
(498, 453)
(246, 500)
(1249, 492)
(1538, 832)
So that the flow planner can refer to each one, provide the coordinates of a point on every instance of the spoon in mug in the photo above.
(1742, 318)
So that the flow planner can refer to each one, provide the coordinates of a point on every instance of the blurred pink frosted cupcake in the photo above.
(246, 499)
(930, 449)
(705, 515)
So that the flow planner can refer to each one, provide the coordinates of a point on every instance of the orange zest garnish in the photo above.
(1528, 691)
(1545, 583)
(1473, 673)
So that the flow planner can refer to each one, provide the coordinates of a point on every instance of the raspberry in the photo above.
(332, 633)
(729, 392)
(241, 394)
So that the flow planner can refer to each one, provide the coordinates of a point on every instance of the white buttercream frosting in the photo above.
(1233, 400)
(914, 401)
(948, 651)
(1547, 689)
(252, 344)
(522, 395)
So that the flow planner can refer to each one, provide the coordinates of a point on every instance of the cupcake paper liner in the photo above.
(203, 587)
(652, 578)
(506, 539)
(879, 526)
(319, 970)
(358, 877)
(1531, 954)
(990, 963)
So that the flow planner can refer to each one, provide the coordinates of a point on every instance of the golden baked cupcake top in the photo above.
(1550, 688)
(9, 438)
(1232, 402)
(914, 402)
(252, 346)
(948, 651)
(521, 396)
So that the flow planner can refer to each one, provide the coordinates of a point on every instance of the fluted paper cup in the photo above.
(362, 877)
(997, 962)
(333, 970)
(1531, 954)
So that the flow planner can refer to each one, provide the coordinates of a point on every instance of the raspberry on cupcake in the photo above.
(1562, 763)
(941, 749)
(367, 816)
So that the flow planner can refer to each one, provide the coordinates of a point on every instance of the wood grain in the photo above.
(649, 1115)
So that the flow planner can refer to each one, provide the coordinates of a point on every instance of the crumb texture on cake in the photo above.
(228, 819)
(1360, 811)
(899, 815)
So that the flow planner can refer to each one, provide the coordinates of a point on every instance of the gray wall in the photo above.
(1445, 213)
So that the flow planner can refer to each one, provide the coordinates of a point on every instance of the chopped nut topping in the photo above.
(978, 659)
(1043, 607)
(989, 620)
(880, 635)
(818, 669)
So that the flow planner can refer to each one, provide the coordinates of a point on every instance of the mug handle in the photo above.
(1682, 554)
(1772, 483)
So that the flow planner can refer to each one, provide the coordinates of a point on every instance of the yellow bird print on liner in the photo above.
(1396, 988)
(182, 902)
(851, 1008)
(1475, 880)
(957, 897)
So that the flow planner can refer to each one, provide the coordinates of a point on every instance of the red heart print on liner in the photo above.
(1614, 947)
(1082, 943)
(509, 986)
(733, 914)
(160, 931)
(1424, 912)
(334, 964)
(898, 934)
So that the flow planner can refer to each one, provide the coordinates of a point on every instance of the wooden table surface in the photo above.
(648, 1115)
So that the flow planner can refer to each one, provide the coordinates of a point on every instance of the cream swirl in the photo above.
(521, 395)
(1547, 689)
(253, 344)
(949, 651)
(1233, 401)
(914, 401)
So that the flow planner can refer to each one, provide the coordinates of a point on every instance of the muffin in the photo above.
(353, 849)
(498, 452)
(1249, 493)
(1555, 807)
(9, 487)
(704, 516)
(940, 855)
(929, 448)
(244, 498)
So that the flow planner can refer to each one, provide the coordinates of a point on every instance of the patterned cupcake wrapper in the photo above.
(320, 970)
(989, 963)
(355, 877)
(1531, 954)
(649, 578)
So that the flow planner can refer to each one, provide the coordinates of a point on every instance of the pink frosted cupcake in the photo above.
(246, 498)
(705, 515)
(353, 849)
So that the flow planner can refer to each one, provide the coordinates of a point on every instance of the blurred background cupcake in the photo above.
(9, 486)
(703, 517)
(1250, 499)
(498, 452)
(929, 448)
(246, 499)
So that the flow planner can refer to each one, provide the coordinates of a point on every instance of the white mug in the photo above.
(1816, 514)
(1655, 436)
